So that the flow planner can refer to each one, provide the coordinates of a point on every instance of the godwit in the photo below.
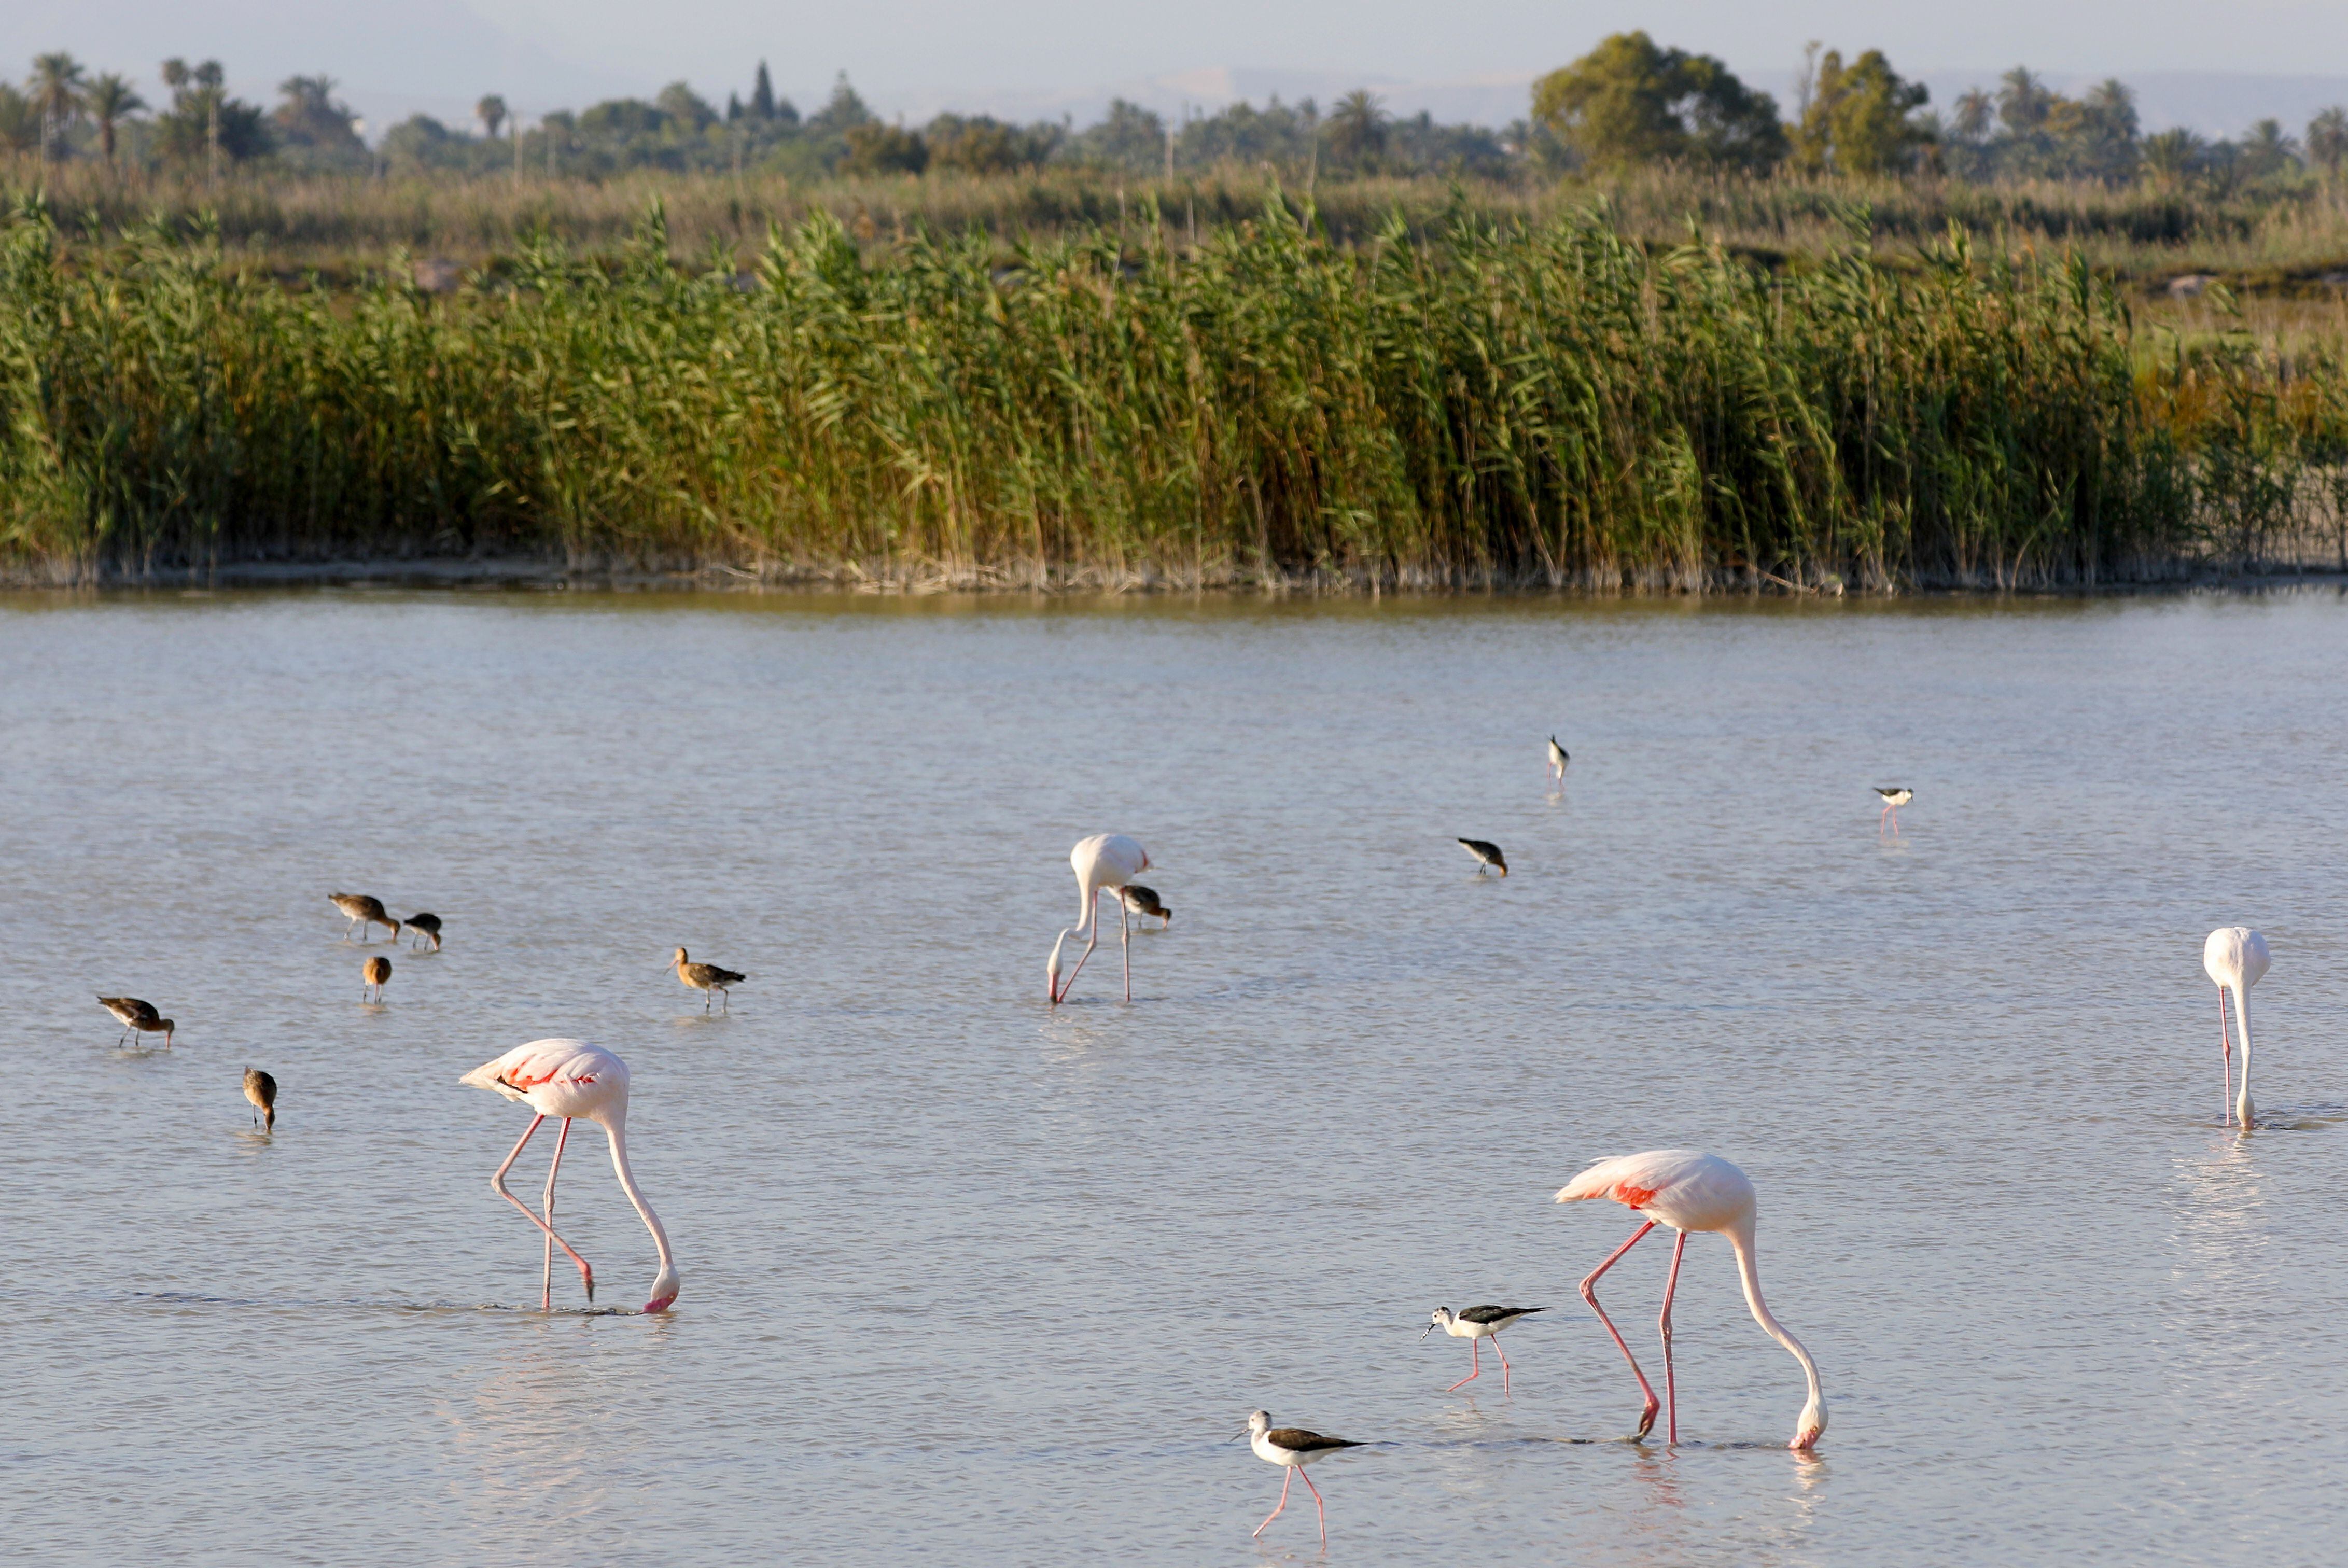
(1475, 1325)
(376, 970)
(1488, 855)
(1291, 1449)
(572, 1079)
(1557, 758)
(1103, 860)
(1143, 902)
(261, 1090)
(364, 913)
(1688, 1191)
(1894, 798)
(2235, 957)
(707, 978)
(135, 1015)
(425, 925)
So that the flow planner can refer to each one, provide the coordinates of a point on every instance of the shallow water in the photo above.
(972, 1281)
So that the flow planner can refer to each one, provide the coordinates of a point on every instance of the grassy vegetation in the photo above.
(1461, 391)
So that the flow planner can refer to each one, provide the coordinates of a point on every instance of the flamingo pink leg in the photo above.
(1318, 1509)
(1590, 1295)
(1475, 1354)
(586, 1274)
(546, 1276)
(1288, 1473)
(1093, 919)
(2226, 1055)
(1671, 1380)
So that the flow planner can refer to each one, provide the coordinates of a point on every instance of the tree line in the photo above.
(1629, 103)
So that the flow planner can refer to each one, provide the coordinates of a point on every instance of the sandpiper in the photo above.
(425, 925)
(378, 971)
(137, 1015)
(1291, 1449)
(364, 912)
(1488, 855)
(1894, 797)
(1143, 901)
(1557, 758)
(707, 978)
(1475, 1325)
(261, 1090)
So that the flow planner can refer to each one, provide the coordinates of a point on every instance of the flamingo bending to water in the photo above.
(1103, 861)
(571, 1079)
(1688, 1191)
(2235, 957)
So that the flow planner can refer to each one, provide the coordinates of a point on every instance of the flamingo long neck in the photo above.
(1748, 1271)
(2242, 1022)
(616, 1130)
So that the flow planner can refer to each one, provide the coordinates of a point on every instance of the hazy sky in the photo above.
(544, 52)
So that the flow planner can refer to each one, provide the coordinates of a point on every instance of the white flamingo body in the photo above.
(1102, 862)
(570, 1078)
(1689, 1191)
(2235, 957)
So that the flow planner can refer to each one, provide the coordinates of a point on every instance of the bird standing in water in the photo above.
(1103, 861)
(1143, 902)
(375, 972)
(1488, 855)
(1291, 1449)
(2235, 957)
(137, 1016)
(364, 913)
(571, 1079)
(705, 979)
(1475, 1325)
(261, 1090)
(1894, 797)
(1557, 758)
(425, 925)
(1688, 1191)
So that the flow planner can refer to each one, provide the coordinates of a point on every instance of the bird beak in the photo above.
(1235, 1436)
(1430, 1328)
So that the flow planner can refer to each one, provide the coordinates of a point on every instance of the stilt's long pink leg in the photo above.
(2226, 1056)
(1318, 1509)
(1590, 1295)
(1094, 920)
(586, 1274)
(1288, 1473)
(1125, 937)
(1663, 1323)
(1475, 1356)
(1504, 1363)
(546, 1277)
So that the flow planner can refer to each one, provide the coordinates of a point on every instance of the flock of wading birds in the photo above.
(1681, 1189)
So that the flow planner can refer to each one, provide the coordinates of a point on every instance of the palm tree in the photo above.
(57, 88)
(491, 112)
(2327, 139)
(1357, 127)
(110, 101)
(2171, 155)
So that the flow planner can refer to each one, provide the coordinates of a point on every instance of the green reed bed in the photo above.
(1548, 403)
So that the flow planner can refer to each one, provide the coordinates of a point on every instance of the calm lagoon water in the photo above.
(970, 1281)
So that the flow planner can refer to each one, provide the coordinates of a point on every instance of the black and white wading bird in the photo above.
(1143, 902)
(1475, 1325)
(1894, 797)
(1557, 758)
(1488, 855)
(425, 925)
(1291, 1449)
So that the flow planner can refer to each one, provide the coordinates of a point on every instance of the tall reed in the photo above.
(1549, 402)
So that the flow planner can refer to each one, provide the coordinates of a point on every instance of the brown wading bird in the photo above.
(1488, 855)
(425, 925)
(1143, 901)
(378, 971)
(707, 978)
(364, 912)
(134, 1015)
(261, 1090)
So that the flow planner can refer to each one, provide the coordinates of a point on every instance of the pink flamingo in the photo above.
(2235, 957)
(1103, 861)
(1688, 1191)
(571, 1079)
